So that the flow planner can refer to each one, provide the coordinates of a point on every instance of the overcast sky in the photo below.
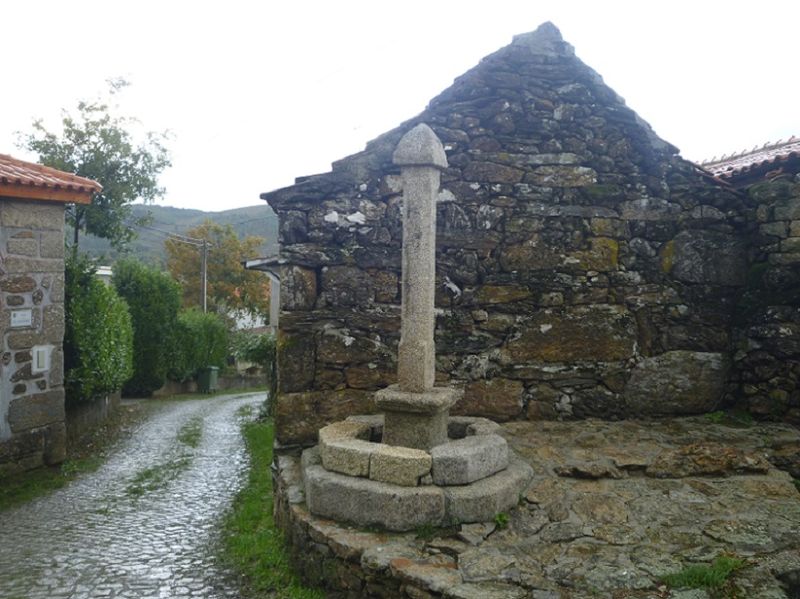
(258, 93)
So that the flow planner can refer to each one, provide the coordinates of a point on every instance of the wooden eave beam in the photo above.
(50, 194)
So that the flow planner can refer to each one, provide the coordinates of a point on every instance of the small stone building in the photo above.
(583, 267)
(32, 199)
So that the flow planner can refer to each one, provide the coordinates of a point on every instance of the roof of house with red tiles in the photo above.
(26, 180)
(770, 155)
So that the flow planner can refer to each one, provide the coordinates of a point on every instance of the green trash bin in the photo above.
(207, 379)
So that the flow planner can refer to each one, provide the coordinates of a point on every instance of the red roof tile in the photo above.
(20, 179)
(739, 164)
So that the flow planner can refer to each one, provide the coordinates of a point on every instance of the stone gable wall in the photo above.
(767, 333)
(32, 428)
(583, 268)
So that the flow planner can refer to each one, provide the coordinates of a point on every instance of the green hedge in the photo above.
(154, 299)
(199, 340)
(98, 340)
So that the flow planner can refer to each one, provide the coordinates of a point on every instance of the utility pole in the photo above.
(205, 276)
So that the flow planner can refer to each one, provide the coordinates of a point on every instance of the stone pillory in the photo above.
(414, 466)
(415, 412)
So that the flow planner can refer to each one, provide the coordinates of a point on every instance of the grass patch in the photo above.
(20, 488)
(734, 418)
(702, 576)
(156, 477)
(251, 543)
(191, 432)
(501, 520)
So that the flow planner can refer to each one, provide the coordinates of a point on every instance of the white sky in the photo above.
(257, 93)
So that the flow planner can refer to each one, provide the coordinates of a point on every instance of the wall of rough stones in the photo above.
(583, 267)
(767, 333)
(32, 428)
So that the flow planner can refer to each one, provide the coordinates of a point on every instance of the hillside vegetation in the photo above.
(149, 244)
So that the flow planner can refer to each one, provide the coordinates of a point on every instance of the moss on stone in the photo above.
(668, 256)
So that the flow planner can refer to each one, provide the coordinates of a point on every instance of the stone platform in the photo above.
(612, 508)
(353, 477)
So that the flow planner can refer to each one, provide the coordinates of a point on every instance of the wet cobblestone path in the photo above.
(145, 525)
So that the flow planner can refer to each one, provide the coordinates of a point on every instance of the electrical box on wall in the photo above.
(21, 318)
(41, 358)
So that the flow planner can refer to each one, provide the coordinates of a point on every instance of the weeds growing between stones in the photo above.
(715, 576)
(251, 544)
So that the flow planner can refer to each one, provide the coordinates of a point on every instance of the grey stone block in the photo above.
(51, 245)
(23, 265)
(370, 503)
(469, 459)
(53, 323)
(483, 499)
(399, 465)
(36, 410)
(347, 456)
(420, 431)
(374, 421)
(32, 215)
(457, 426)
(23, 247)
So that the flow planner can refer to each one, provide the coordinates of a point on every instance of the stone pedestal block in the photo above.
(399, 465)
(417, 420)
(469, 459)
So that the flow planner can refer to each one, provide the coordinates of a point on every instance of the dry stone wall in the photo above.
(767, 333)
(583, 267)
(32, 428)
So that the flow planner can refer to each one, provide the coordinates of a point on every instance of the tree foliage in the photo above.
(98, 340)
(154, 300)
(261, 350)
(230, 286)
(199, 340)
(94, 142)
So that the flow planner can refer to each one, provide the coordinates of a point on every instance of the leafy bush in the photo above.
(98, 340)
(153, 298)
(199, 340)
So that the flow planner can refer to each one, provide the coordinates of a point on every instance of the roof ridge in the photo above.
(756, 149)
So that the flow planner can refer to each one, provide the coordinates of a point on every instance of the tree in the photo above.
(95, 143)
(153, 299)
(231, 288)
(98, 340)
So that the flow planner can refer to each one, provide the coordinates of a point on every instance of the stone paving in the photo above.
(613, 507)
(105, 536)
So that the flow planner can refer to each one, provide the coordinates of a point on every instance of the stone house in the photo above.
(32, 200)
(584, 269)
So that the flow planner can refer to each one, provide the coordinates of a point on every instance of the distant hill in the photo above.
(149, 245)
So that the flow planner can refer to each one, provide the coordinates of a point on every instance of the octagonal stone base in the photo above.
(471, 479)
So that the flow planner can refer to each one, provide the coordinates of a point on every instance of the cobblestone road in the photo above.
(142, 526)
